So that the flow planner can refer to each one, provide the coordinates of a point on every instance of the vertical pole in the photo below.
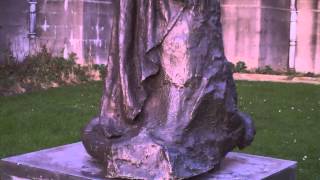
(32, 16)
(293, 34)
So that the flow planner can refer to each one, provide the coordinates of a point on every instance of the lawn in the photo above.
(287, 117)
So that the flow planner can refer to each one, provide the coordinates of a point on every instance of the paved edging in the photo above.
(276, 78)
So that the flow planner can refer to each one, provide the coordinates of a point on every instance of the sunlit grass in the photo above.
(287, 117)
(49, 118)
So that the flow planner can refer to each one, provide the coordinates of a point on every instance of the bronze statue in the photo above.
(169, 108)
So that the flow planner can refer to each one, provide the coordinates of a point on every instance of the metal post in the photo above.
(293, 34)
(32, 20)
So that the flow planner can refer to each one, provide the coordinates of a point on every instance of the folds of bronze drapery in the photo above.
(138, 28)
(169, 108)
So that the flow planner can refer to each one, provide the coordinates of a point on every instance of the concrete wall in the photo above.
(274, 34)
(60, 27)
(14, 27)
(97, 30)
(241, 27)
(308, 45)
(63, 26)
(257, 32)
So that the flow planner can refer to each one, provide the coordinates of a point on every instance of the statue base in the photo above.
(72, 162)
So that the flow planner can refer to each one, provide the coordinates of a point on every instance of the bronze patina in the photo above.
(169, 108)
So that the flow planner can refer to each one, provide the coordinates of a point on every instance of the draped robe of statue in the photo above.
(169, 108)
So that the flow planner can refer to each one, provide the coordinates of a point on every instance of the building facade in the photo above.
(283, 34)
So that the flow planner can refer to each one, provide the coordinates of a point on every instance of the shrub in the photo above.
(266, 70)
(42, 70)
(309, 74)
(291, 73)
(240, 67)
(101, 68)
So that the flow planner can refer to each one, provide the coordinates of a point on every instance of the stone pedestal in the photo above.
(72, 162)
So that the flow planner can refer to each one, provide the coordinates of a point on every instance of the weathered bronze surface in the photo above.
(169, 108)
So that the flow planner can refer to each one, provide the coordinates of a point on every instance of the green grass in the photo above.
(287, 117)
(49, 118)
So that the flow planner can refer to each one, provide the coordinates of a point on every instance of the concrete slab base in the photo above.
(71, 162)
